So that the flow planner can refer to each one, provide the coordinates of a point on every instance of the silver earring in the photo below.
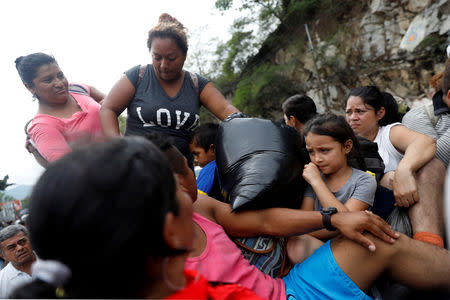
(34, 98)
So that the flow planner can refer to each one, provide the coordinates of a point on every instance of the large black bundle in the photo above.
(259, 163)
(372, 158)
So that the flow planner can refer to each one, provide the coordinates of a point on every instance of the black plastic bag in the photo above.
(259, 163)
(383, 203)
(372, 158)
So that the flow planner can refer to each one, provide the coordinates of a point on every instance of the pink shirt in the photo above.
(54, 137)
(222, 261)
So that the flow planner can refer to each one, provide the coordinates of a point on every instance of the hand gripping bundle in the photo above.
(259, 163)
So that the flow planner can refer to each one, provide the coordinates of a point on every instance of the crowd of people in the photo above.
(133, 198)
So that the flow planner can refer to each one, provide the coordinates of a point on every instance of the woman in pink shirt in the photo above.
(68, 115)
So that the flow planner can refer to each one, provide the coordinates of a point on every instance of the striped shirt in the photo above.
(417, 119)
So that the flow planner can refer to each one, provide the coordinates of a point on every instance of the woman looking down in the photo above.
(162, 96)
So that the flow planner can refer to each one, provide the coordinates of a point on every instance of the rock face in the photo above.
(396, 45)
(423, 24)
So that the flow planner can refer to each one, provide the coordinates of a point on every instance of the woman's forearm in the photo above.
(109, 122)
(417, 148)
(324, 234)
(230, 109)
(97, 95)
(216, 103)
(418, 153)
(114, 104)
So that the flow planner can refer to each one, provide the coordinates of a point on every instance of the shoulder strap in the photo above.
(78, 89)
(250, 244)
(31, 147)
(195, 80)
(429, 109)
(27, 124)
(141, 73)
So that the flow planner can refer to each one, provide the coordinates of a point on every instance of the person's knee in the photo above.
(386, 251)
(383, 252)
(301, 247)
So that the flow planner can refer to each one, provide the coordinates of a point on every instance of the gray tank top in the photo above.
(152, 109)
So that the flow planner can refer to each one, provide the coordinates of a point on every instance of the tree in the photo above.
(263, 18)
(234, 54)
(266, 9)
(4, 183)
(201, 49)
(256, 83)
(5, 198)
(26, 202)
(248, 33)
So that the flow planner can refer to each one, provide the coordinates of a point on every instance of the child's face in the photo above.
(202, 157)
(326, 153)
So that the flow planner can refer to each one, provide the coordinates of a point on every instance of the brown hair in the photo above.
(436, 81)
(169, 27)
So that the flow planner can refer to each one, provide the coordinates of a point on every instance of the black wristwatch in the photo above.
(326, 217)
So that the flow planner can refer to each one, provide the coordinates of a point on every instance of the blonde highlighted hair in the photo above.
(169, 27)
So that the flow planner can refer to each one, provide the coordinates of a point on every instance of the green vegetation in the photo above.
(262, 92)
(259, 86)
(4, 183)
(122, 123)
(5, 198)
(233, 54)
(25, 202)
(304, 9)
(431, 42)
(207, 117)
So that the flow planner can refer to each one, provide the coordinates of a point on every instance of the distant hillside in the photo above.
(396, 45)
(19, 192)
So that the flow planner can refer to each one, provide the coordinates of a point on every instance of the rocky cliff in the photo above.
(397, 45)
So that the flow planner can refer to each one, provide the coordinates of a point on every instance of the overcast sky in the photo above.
(94, 42)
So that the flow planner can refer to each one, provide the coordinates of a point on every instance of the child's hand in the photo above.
(311, 173)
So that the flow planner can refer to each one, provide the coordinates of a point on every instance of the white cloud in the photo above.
(94, 42)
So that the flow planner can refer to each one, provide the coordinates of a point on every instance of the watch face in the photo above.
(330, 210)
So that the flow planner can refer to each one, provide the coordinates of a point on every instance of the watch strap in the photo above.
(326, 218)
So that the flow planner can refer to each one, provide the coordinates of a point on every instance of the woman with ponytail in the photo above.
(408, 157)
(67, 115)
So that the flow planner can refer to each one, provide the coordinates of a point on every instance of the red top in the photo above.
(197, 287)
